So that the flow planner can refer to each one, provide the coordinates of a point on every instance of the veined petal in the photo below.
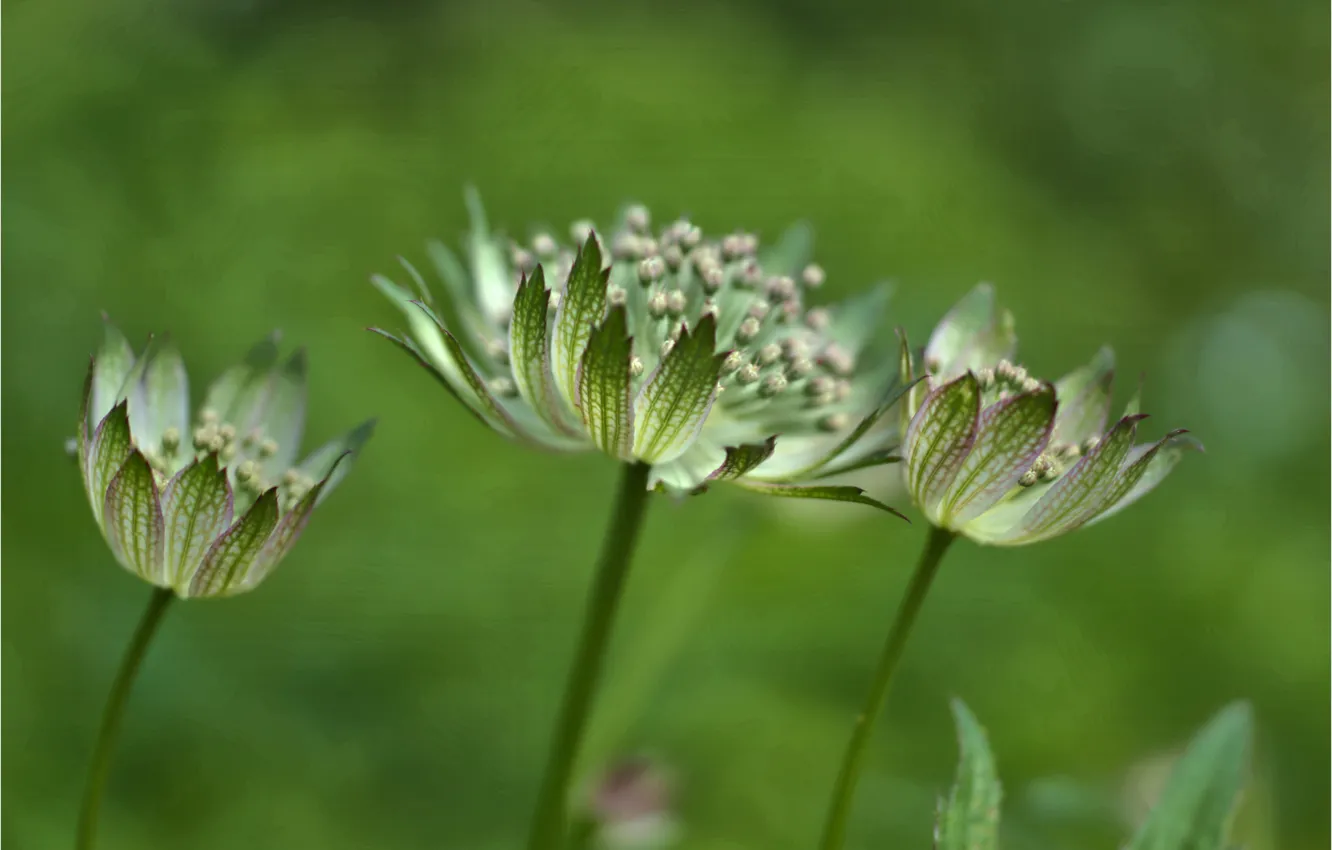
(232, 553)
(1078, 493)
(461, 392)
(1010, 436)
(689, 472)
(937, 441)
(581, 309)
(132, 519)
(329, 463)
(604, 386)
(529, 351)
(197, 506)
(111, 365)
(970, 336)
(741, 460)
(836, 494)
(84, 435)
(159, 397)
(1084, 399)
(675, 399)
(426, 334)
(288, 529)
(1145, 467)
(110, 448)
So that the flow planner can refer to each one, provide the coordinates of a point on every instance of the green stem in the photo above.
(853, 761)
(114, 710)
(548, 822)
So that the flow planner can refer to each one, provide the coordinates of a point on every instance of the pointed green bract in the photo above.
(469, 402)
(428, 342)
(285, 533)
(333, 460)
(969, 819)
(111, 365)
(1010, 436)
(132, 519)
(740, 460)
(604, 387)
(582, 307)
(675, 399)
(110, 448)
(494, 291)
(971, 336)
(529, 349)
(882, 457)
(825, 492)
(1160, 458)
(1076, 496)
(939, 438)
(1195, 809)
(197, 506)
(159, 397)
(231, 553)
(1084, 399)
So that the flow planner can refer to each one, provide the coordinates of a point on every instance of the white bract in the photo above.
(209, 507)
(697, 356)
(1007, 459)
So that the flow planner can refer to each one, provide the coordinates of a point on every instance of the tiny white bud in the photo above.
(1028, 478)
(675, 302)
(733, 361)
(838, 360)
(268, 448)
(208, 416)
(794, 348)
(502, 386)
(733, 246)
(818, 319)
(657, 305)
(170, 440)
(638, 218)
(544, 245)
(691, 236)
(772, 385)
(748, 329)
(712, 279)
(819, 386)
(635, 365)
(651, 270)
(625, 246)
(985, 377)
(781, 287)
(247, 471)
(800, 367)
(1031, 385)
(673, 256)
(667, 347)
(555, 297)
(581, 229)
(709, 308)
(1089, 445)
(813, 276)
(751, 273)
(769, 354)
(759, 309)
(835, 422)
(615, 295)
(1019, 376)
(522, 259)
(748, 374)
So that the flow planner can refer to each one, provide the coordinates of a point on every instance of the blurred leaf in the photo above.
(1196, 807)
(969, 820)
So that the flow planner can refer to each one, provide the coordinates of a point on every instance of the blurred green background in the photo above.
(1151, 175)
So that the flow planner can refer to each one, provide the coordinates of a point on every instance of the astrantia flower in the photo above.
(1007, 459)
(695, 355)
(209, 507)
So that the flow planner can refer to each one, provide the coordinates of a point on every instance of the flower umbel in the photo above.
(698, 356)
(1005, 458)
(205, 507)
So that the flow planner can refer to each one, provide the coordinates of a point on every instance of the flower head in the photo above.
(1006, 458)
(209, 506)
(697, 355)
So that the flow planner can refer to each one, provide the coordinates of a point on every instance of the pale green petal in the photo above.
(490, 273)
(237, 392)
(856, 321)
(1010, 436)
(231, 554)
(1084, 400)
(529, 352)
(159, 397)
(425, 333)
(289, 528)
(1077, 495)
(938, 440)
(326, 464)
(284, 414)
(675, 399)
(110, 448)
(1145, 467)
(582, 308)
(111, 365)
(971, 336)
(604, 387)
(197, 506)
(791, 251)
(690, 471)
(132, 520)
(460, 391)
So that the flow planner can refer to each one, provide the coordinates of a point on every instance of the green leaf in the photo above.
(1077, 494)
(938, 439)
(969, 820)
(1084, 399)
(828, 492)
(111, 446)
(970, 336)
(232, 553)
(1010, 436)
(197, 506)
(132, 519)
(529, 350)
(740, 460)
(581, 309)
(1196, 807)
(604, 386)
(675, 399)
(111, 365)
(327, 465)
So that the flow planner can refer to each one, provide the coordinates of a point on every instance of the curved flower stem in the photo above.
(111, 714)
(853, 761)
(548, 822)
